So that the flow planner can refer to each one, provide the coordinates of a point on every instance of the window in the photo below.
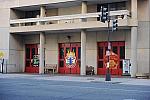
(100, 64)
(100, 52)
(32, 14)
(122, 52)
(61, 53)
(113, 6)
(27, 53)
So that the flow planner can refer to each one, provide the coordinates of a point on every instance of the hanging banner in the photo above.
(70, 60)
(113, 60)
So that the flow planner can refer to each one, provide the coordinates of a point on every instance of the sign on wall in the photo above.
(70, 60)
(113, 60)
(126, 67)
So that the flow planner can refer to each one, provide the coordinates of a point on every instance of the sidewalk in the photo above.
(75, 78)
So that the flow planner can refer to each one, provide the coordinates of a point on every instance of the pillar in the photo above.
(83, 53)
(42, 42)
(42, 11)
(134, 39)
(84, 9)
(83, 42)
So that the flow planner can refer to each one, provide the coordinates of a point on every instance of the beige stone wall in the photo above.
(143, 10)
(92, 9)
(51, 49)
(16, 14)
(16, 53)
(52, 12)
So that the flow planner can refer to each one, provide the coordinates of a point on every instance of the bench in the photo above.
(89, 70)
(142, 75)
(50, 67)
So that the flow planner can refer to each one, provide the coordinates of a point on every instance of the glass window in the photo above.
(67, 50)
(61, 53)
(74, 50)
(100, 64)
(33, 52)
(121, 65)
(115, 49)
(79, 52)
(61, 63)
(79, 62)
(122, 52)
(113, 6)
(27, 63)
(27, 53)
(100, 52)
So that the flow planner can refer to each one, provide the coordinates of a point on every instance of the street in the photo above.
(37, 88)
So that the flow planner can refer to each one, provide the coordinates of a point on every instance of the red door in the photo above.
(30, 51)
(118, 48)
(64, 48)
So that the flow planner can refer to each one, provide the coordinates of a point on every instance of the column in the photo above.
(83, 42)
(83, 53)
(84, 9)
(42, 42)
(134, 39)
(42, 11)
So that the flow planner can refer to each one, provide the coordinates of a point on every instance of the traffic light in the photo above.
(115, 25)
(104, 15)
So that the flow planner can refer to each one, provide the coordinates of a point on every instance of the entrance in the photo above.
(119, 49)
(64, 48)
(31, 58)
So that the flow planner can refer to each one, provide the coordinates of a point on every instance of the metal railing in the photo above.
(63, 19)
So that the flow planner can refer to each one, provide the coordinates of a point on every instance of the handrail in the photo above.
(67, 17)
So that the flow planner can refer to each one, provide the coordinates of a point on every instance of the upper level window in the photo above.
(113, 6)
(32, 14)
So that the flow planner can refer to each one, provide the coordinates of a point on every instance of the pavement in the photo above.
(77, 78)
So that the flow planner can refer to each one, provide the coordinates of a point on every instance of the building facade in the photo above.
(51, 29)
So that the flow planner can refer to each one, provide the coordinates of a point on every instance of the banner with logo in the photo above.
(70, 60)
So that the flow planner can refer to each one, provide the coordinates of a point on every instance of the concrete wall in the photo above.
(4, 32)
(16, 14)
(51, 49)
(16, 54)
(52, 12)
(143, 44)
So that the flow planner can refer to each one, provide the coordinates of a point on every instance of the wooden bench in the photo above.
(50, 67)
(89, 70)
(142, 75)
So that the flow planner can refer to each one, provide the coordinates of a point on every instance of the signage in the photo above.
(1, 55)
(113, 60)
(35, 60)
(70, 60)
(126, 66)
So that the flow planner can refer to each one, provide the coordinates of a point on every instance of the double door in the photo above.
(64, 50)
(31, 58)
(117, 48)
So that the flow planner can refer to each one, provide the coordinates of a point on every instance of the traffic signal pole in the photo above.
(105, 17)
(108, 75)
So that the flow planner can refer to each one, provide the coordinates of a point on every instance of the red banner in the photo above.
(113, 60)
